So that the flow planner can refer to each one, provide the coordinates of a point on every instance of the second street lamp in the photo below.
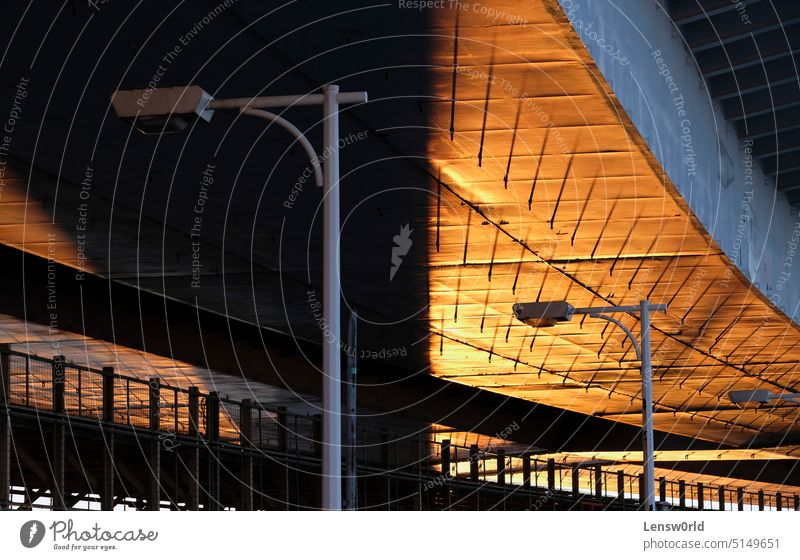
(158, 111)
(549, 313)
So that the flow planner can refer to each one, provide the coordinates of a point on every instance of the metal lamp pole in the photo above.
(548, 313)
(169, 110)
(330, 99)
(643, 354)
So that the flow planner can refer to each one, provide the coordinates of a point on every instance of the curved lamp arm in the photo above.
(272, 117)
(624, 328)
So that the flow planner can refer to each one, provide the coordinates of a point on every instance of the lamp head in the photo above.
(544, 313)
(753, 397)
(159, 110)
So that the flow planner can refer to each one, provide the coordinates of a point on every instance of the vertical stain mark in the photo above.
(489, 81)
(561, 191)
(513, 141)
(466, 235)
(641, 261)
(455, 78)
(623, 246)
(583, 211)
(605, 225)
(519, 267)
(438, 207)
(494, 252)
(538, 168)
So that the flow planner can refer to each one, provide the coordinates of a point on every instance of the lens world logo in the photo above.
(31, 533)
(402, 243)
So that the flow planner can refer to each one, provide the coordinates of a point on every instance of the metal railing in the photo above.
(102, 395)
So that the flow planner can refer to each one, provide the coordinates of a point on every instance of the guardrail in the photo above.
(57, 386)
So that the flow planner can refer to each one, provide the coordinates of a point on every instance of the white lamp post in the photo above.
(170, 110)
(546, 314)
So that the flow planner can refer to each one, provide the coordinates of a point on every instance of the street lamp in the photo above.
(759, 396)
(171, 110)
(549, 313)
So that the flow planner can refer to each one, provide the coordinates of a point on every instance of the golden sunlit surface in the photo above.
(549, 193)
(27, 221)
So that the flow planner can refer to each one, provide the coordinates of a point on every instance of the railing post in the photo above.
(760, 500)
(245, 440)
(283, 438)
(474, 466)
(551, 474)
(740, 499)
(722, 498)
(779, 500)
(59, 432)
(682, 494)
(446, 458)
(662, 489)
(700, 496)
(5, 428)
(621, 488)
(796, 502)
(58, 384)
(107, 497)
(501, 466)
(526, 470)
(576, 482)
(598, 482)
(193, 453)
(212, 435)
(154, 485)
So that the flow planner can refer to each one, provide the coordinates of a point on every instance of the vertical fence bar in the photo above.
(245, 435)
(796, 502)
(192, 454)
(5, 428)
(662, 489)
(576, 482)
(501, 466)
(212, 435)
(722, 498)
(760, 500)
(551, 474)
(154, 408)
(598, 482)
(445, 453)
(682, 493)
(282, 430)
(700, 496)
(107, 497)
(526, 470)
(473, 463)
(59, 436)
(779, 500)
(621, 488)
